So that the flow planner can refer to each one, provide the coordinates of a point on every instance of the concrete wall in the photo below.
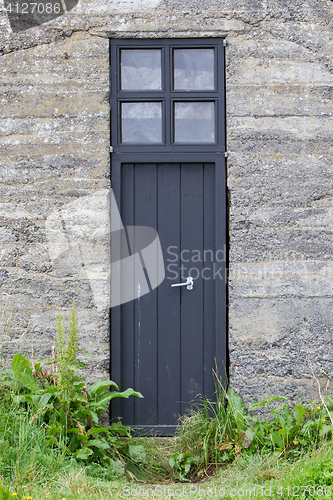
(54, 157)
(54, 150)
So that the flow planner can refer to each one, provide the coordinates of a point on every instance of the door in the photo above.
(168, 173)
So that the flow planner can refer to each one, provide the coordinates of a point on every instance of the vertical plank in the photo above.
(169, 298)
(145, 209)
(221, 285)
(127, 309)
(191, 300)
(209, 264)
(115, 319)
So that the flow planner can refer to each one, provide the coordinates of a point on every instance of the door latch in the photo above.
(188, 283)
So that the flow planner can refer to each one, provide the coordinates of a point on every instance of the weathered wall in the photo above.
(54, 149)
(280, 88)
(54, 153)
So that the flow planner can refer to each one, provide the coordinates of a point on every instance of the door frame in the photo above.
(174, 153)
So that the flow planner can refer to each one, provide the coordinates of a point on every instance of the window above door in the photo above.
(167, 95)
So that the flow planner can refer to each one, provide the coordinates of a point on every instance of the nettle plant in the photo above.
(60, 401)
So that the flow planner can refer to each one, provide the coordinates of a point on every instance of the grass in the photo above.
(257, 476)
(25, 456)
(156, 467)
(30, 468)
(221, 450)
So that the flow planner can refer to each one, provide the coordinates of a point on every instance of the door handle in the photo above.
(188, 283)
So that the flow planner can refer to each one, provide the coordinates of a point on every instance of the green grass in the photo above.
(221, 451)
(155, 467)
(42, 478)
(25, 456)
(29, 467)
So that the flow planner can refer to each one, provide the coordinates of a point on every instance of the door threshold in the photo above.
(153, 430)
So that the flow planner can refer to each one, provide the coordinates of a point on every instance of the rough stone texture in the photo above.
(279, 80)
(54, 149)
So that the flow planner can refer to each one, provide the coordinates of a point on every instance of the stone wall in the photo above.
(280, 176)
(54, 156)
(54, 150)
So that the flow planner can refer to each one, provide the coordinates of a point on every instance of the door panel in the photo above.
(168, 336)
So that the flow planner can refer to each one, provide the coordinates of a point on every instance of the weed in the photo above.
(7, 323)
(182, 463)
(217, 432)
(68, 410)
(67, 355)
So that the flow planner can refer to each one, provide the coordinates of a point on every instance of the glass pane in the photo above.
(141, 122)
(193, 69)
(195, 122)
(141, 69)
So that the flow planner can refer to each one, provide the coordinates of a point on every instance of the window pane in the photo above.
(193, 69)
(141, 69)
(141, 122)
(194, 122)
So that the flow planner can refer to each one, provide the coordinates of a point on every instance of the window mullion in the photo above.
(167, 67)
